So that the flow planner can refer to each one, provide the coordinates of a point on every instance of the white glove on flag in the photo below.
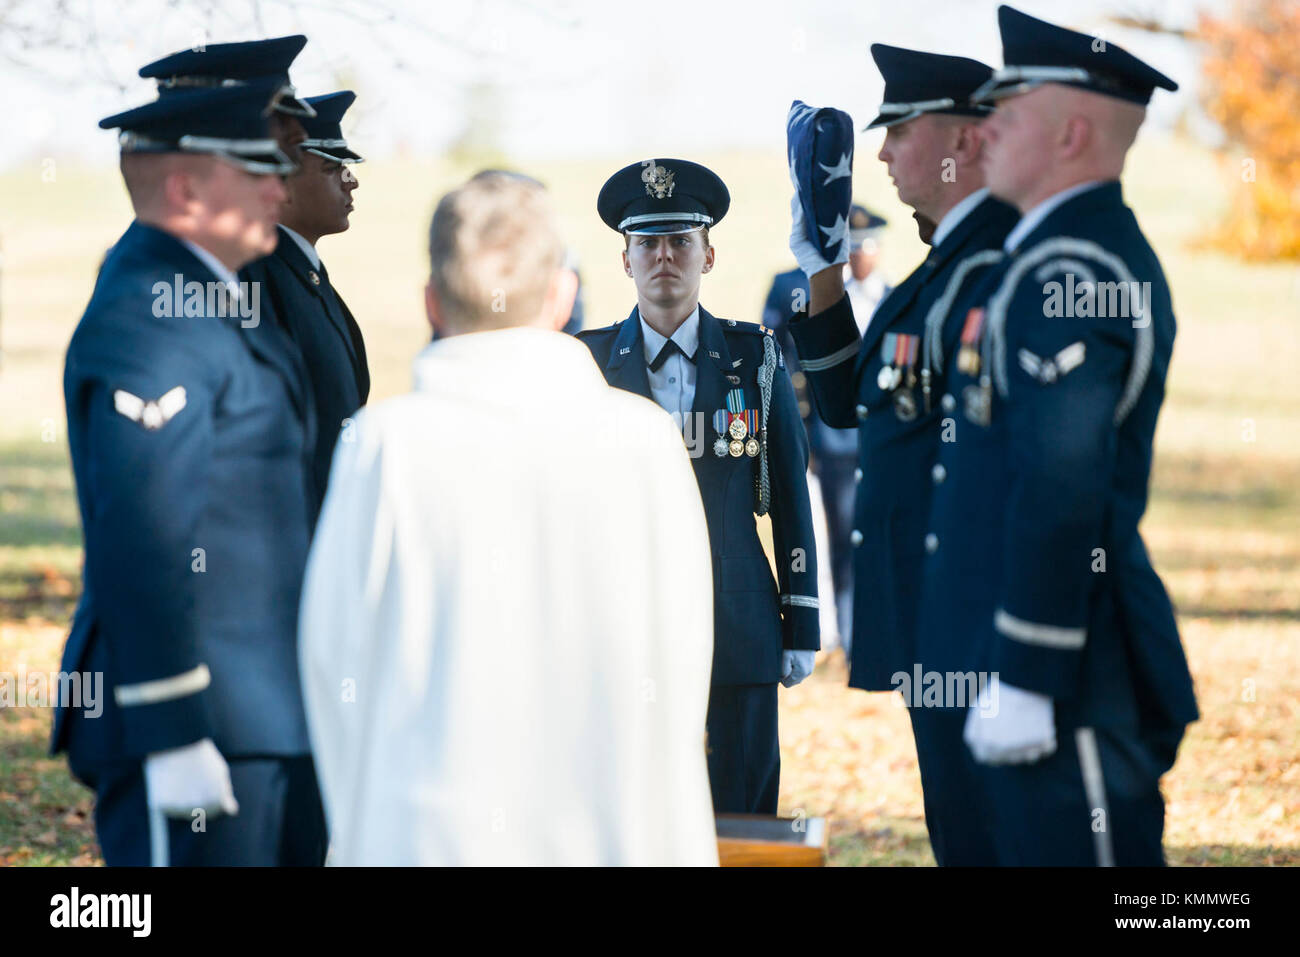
(806, 254)
(1009, 725)
(179, 781)
(795, 666)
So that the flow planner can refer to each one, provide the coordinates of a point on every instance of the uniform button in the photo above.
(931, 543)
(938, 473)
(857, 475)
(672, 380)
(855, 537)
(948, 403)
(861, 412)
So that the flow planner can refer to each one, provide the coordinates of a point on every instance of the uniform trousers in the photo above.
(744, 756)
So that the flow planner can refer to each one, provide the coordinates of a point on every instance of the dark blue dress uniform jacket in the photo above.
(753, 622)
(1037, 570)
(318, 320)
(191, 653)
(896, 457)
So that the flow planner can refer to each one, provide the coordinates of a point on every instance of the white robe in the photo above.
(507, 620)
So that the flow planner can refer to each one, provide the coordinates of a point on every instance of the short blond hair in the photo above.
(494, 248)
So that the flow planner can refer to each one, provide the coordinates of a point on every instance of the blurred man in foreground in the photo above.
(189, 423)
(505, 645)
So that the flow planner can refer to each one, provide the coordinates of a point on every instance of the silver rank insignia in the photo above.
(658, 181)
(153, 414)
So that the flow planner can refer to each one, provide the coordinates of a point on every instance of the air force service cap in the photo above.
(1038, 52)
(864, 225)
(325, 129)
(917, 82)
(662, 196)
(233, 64)
(226, 122)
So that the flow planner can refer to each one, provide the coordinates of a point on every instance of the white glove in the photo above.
(1009, 725)
(182, 780)
(805, 251)
(795, 666)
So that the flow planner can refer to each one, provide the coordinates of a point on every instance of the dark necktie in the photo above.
(669, 348)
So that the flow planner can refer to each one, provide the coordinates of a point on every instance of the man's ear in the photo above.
(433, 310)
(1076, 135)
(708, 259)
(180, 189)
(969, 142)
(558, 307)
(627, 264)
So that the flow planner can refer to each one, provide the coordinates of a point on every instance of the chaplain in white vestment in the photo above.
(507, 618)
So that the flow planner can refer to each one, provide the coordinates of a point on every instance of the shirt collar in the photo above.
(219, 269)
(954, 216)
(307, 248)
(1031, 220)
(687, 336)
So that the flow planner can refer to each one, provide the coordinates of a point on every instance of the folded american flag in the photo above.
(820, 147)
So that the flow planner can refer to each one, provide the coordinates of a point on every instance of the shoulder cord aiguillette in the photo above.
(765, 391)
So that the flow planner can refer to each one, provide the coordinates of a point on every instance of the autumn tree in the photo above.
(1252, 83)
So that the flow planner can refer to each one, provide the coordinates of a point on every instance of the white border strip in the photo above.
(1094, 786)
(163, 689)
(835, 358)
(1033, 633)
(803, 601)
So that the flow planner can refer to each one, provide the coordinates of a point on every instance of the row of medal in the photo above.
(898, 352)
(737, 428)
(976, 397)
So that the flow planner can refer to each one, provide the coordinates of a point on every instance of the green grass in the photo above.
(1223, 526)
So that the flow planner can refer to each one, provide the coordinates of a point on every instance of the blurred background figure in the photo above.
(834, 452)
(505, 646)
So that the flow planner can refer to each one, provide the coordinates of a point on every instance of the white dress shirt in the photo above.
(954, 216)
(307, 248)
(864, 296)
(673, 383)
(219, 269)
(1029, 222)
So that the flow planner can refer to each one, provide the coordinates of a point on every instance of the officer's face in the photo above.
(914, 153)
(667, 269)
(236, 211)
(1018, 144)
(320, 197)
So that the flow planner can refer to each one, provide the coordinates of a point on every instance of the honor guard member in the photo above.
(725, 381)
(189, 426)
(834, 452)
(236, 64)
(296, 285)
(887, 383)
(1034, 560)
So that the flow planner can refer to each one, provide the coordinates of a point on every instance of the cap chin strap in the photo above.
(649, 218)
(255, 156)
(1022, 79)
